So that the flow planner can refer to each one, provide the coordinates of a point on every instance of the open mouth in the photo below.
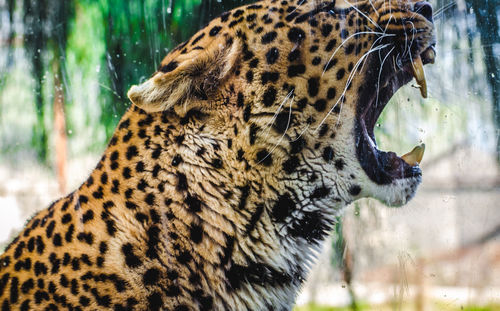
(380, 166)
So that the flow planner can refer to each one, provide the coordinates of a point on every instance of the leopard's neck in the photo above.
(204, 225)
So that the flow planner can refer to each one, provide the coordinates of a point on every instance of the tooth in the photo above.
(419, 74)
(414, 157)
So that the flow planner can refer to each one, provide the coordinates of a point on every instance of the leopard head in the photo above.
(292, 91)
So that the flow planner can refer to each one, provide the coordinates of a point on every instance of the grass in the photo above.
(407, 306)
(315, 307)
(490, 307)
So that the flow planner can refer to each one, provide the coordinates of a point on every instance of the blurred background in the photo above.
(65, 68)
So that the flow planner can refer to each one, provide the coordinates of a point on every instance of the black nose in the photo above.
(424, 8)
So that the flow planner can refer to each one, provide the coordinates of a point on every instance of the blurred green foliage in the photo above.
(99, 48)
(117, 43)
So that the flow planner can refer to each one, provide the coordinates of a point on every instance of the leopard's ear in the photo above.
(189, 77)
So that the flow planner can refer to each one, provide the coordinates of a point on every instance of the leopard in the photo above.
(232, 164)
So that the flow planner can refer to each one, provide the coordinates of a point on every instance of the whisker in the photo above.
(298, 6)
(411, 43)
(351, 77)
(399, 62)
(406, 39)
(380, 74)
(284, 133)
(383, 35)
(364, 15)
(374, 9)
(302, 133)
(372, 47)
(388, 23)
(269, 125)
(414, 30)
(349, 80)
(394, 59)
(444, 8)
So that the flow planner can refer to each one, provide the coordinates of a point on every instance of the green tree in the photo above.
(138, 34)
(35, 15)
(45, 33)
(486, 13)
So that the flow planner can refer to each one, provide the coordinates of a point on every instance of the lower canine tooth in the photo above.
(414, 157)
(419, 74)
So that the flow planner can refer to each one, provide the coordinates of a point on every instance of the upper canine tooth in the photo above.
(414, 157)
(419, 74)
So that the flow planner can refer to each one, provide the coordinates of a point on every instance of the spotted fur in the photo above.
(226, 172)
